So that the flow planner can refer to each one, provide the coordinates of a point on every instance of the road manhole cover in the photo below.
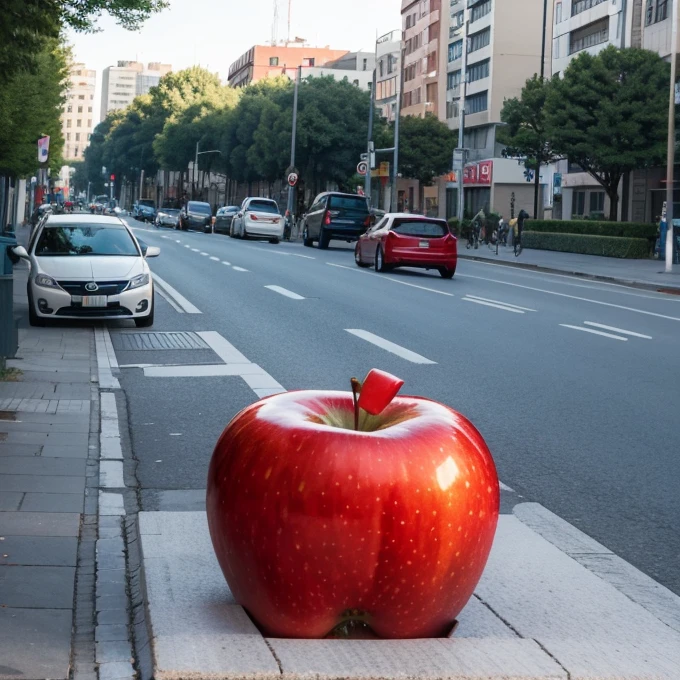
(135, 342)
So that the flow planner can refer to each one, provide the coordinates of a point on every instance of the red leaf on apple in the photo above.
(378, 390)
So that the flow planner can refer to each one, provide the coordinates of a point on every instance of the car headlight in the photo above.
(137, 281)
(45, 281)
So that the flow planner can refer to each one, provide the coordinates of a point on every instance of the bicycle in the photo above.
(518, 244)
(473, 237)
(494, 241)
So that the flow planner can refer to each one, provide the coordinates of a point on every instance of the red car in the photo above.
(406, 240)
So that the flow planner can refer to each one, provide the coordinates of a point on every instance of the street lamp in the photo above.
(670, 167)
(199, 153)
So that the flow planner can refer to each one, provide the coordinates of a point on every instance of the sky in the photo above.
(214, 33)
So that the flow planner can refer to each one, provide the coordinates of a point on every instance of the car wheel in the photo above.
(357, 257)
(274, 240)
(306, 241)
(380, 265)
(446, 273)
(33, 318)
(323, 239)
(146, 321)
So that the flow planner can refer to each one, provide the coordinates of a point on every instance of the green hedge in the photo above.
(587, 244)
(594, 228)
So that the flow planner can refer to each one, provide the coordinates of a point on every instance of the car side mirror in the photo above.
(152, 251)
(20, 251)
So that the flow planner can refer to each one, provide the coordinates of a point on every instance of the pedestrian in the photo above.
(521, 218)
(502, 231)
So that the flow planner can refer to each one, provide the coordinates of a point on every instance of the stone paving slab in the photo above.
(38, 465)
(39, 551)
(35, 643)
(52, 502)
(536, 614)
(42, 484)
(39, 524)
(37, 587)
(15, 449)
(51, 450)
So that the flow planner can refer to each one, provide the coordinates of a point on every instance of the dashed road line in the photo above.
(392, 347)
(195, 250)
(240, 269)
(216, 259)
(204, 254)
(285, 292)
(594, 332)
(498, 304)
(617, 330)
(187, 306)
(227, 263)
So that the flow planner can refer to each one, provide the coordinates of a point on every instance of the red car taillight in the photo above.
(327, 218)
(367, 221)
(254, 218)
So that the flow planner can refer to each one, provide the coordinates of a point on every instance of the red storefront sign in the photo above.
(479, 174)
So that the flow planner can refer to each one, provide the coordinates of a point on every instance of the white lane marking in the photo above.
(390, 346)
(187, 246)
(204, 254)
(239, 269)
(187, 306)
(596, 285)
(178, 241)
(573, 297)
(165, 236)
(106, 359)
(505, 487)
(389, 278)
(286, 292)
(594, 332)
(169, 300)
(306, 257)
(500, 302)
(216, 259)
(227, 263)
(493, 304)
(195, 250)
(617, 330)
(223, 348)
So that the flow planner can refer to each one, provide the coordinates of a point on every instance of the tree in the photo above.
(608, 114)
(30, 107)
(526, 136)
(27, 24)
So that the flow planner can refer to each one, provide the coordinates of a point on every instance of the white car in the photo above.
(88, 267)
(258, 218)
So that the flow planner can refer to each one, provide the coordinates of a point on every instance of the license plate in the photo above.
(94, 300)
(344, 221)
(424, 244)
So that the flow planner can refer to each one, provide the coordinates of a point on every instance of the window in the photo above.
(68, 123)
(578, 206)
(661, 10)
(455, 50)
(597, 201)
(476, 138)
(558, 12)
(81, 96)
(480, 11)
(453, 80)
(68, 136)
(420, 228)
(594, 34)
(75, 153)
(79, 123)
(80, 109)
(581, 5)
(69, 109)
(89, 122)
(649, 12)
(91, 97)
(308, 61)
(365, 64)
(380, 68)
(478, 71)
(477, 102)
(452, 109)
(273, 61)
(89, 109)
(77, 136)
(479, 40)
(431, 64)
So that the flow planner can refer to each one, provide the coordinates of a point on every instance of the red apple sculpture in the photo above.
(316, 523)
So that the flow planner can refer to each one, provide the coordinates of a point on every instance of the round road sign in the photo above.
(362, 168)
(292, 179)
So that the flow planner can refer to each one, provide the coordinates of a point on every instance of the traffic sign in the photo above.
(293, 179)
(362, 168)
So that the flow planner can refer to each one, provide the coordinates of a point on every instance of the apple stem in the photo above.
(356, 389)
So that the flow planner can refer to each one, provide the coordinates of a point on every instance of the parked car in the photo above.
(167, 217)
(224, 218)
(144, 210)
(88, 267)
(335, 215)
(196, 215)
(258, 218)
(406, 240)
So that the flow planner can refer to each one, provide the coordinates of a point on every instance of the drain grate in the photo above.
(135, 342)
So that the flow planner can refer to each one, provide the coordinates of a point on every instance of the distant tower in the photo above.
(275, 23)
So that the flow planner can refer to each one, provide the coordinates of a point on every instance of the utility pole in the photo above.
(194, 174)
(670, 167)
(291, 190)
(537, 179)
(371, 146)
(395, 168)
(460, 162)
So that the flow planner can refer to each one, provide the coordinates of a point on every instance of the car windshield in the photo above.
(420, 228)
(146, 203)
(355, 204)
(173, 212)
(203, 208)
(263, 206)
(85, 239)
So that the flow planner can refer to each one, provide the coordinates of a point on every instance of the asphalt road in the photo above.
(583, 422)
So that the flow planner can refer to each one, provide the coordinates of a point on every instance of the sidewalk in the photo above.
(53, 568)
(642, 273)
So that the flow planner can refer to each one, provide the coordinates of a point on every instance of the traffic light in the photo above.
(113, 178)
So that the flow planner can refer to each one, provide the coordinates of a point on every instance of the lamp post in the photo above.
(291, 189)
(537, 179)
(459, 153)
(670, 166)
(199, 153)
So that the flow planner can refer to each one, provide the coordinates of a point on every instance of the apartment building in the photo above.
(262, 61)
(502, 40)
(388, 74)
(129, 79)
(76, 118)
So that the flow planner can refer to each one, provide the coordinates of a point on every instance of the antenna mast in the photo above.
(275, 23)
(290, 6)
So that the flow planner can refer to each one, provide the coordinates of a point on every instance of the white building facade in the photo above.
(77, 116)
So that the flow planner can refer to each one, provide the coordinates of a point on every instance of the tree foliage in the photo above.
(30, 107)
(608, 114)
(27, 24)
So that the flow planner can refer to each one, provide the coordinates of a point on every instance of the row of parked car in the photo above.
(383, 241)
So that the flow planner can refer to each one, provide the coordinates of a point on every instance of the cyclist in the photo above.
(478, 222)
(519, 227)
